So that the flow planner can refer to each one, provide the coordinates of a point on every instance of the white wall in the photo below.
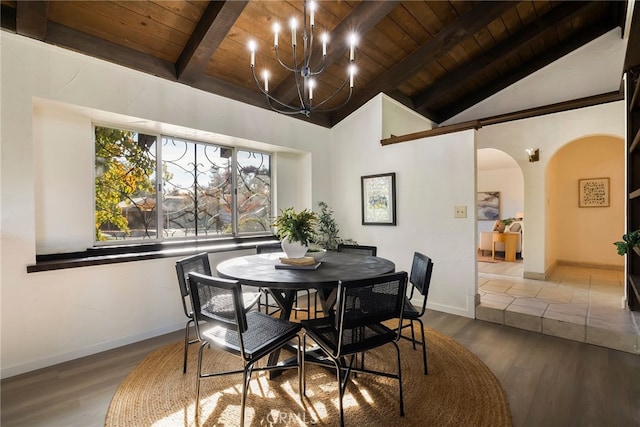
(432, 176)
(548, 133)
(398, 120)
(50, 97)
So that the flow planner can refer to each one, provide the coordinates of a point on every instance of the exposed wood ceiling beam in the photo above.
(536, 64)
(31, 18)
(632, 56)
(8, 17)
(85, 43)
(364, 17)
(468, 24)
(216, 21)
(562, 13)
(503, 118)
(89, 45)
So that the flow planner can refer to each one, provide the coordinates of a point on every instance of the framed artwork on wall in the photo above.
(379, 199)
(488, 203)
(593, 192)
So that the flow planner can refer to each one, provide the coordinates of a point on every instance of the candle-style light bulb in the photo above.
(265, 75)
(312, 83)
(276, 30)
(252, 48)
(293, 23)
(325, 39)
(312, 10)
(352, 43)
(352, 72)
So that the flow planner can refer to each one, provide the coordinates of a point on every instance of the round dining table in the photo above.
(260, 270)
(282, 281)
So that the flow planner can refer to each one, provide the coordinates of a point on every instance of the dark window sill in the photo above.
(129, 253)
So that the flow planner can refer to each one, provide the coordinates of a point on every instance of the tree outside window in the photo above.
(196, 197)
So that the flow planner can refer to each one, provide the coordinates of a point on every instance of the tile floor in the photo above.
(576, 303)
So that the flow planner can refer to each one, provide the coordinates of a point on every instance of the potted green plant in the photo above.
(629, 241)
(296, 230)
(327, 234)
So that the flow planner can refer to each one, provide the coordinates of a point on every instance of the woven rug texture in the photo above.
(459, 390)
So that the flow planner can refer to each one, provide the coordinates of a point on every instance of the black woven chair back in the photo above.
(358, 249)
(421, 270)
(363, 304)
(268, 248)
(193, 264)
(217, 301)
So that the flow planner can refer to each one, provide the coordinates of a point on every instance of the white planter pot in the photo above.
(293, 249)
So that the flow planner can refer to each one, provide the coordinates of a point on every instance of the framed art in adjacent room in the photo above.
(379, 199)
(488, 205)
(593, 192)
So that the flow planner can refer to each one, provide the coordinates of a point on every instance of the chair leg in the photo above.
(186, 346)
(413, 335)
(424, 347)
(200, 350)
(302, 357)
(296, 308)
(299, 357)
(399, 379)
(341, 388)
(246, 377)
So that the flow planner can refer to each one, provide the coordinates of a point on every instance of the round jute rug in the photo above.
(459, 391)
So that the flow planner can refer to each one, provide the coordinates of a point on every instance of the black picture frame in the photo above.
(378, 199)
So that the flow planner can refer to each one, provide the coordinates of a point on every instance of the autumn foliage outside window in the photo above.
(195, 190)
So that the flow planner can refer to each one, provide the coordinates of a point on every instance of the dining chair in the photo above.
(357, 326)
(217, 304)
(199, 263)
(358, 249)
(419, 280)
(277, 247)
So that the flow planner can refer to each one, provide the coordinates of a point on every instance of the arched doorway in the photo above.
(581, 234)
(498, 172)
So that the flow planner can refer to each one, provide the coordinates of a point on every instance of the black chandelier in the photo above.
(304, 76)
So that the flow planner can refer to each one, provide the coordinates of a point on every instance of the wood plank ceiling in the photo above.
(437, 57)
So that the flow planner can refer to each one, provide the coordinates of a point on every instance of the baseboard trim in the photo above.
(590, 265)
(44, 362)
(469, 312)
(534, 275)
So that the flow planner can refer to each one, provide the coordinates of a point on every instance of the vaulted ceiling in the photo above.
(437, 57)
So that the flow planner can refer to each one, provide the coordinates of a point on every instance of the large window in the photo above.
(192, 182)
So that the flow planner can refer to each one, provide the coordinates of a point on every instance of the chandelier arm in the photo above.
(293, 111)
(298, 84)
(282, 63)
(296, 74)
(271, 98)
(321, 70)
(327, 110)
(333, 95)
(307, 59)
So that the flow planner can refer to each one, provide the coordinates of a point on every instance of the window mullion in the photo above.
(234, 192)
(159, 191)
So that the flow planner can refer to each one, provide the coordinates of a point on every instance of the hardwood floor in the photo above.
(549, 381)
